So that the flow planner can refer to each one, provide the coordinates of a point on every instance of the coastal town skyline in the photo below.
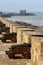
(16, 5)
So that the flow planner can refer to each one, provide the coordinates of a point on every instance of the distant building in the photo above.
(22, 12)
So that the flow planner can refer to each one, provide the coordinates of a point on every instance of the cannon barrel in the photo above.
(20, 45)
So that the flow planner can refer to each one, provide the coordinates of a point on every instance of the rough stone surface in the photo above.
(37, 50)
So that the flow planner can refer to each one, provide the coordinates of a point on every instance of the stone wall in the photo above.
(8, 23)
(26, 37)
(17, 26)
(20, 34)
(13, 26)
(36, 49)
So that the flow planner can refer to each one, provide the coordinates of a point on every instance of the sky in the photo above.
(16, 5)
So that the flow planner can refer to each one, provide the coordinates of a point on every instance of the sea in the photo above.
(35, 20)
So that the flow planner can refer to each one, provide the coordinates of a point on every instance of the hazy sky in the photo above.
(16, 5)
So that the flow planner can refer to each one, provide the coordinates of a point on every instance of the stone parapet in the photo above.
(36, 49)
(20, 34)
(27, 35)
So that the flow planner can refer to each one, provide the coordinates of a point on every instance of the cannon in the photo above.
(5, 29)
(24, 49)
(9, 36)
